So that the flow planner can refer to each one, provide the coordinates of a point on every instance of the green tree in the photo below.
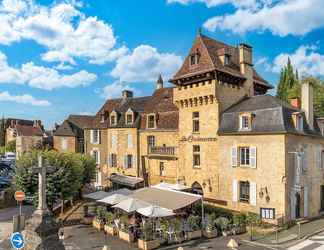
(2, 132)
(11, 146)
(64, 183)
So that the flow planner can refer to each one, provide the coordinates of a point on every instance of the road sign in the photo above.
(17, 240)
(19, 196)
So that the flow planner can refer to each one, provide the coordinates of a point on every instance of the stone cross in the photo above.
(42, 170)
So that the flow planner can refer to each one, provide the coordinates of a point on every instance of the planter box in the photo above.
(112, 230)
(210, 233)
(87, 220)
(126, 236)
(239, 230)
(98, 225)
(194, 235)
(226, 233)
(148, 245)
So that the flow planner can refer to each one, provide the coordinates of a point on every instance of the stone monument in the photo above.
(41, 231)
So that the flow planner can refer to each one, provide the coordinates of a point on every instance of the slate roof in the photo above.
(25, 130)
(270, 115)
(210, 50)
(74, 125)
(162, 105)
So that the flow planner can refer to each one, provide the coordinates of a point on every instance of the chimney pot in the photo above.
(127, 94)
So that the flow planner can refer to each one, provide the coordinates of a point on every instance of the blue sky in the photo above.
(64, 57)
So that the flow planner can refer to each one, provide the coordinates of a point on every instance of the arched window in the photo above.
(197, 188)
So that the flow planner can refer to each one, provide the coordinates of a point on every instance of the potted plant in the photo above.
(98, 221)
(210, 230)
(239, 224)
(110, 228)
(147, 240)
(124, 232)
(179, 236)
(194, 228)
(164, 225)
(224, 225)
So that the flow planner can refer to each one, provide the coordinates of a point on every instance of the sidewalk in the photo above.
(292, 234)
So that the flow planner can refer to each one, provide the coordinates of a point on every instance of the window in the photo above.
(64, 144)
(226, 60)
(196, 155)
(195, 58)
(151, 121)
(129, 161)
(244, 156)
(195, 122)
(102, 120)
(96, 156)
(192, 59)
(244, 191)
(129, 141)
(244, 122)
(299, 123)
(95, 136)
(112, 160)
(150, 142)
(267, 213)
(114, 141)
(129, 119)
(113, 120)
(322, 159)
(162, 169)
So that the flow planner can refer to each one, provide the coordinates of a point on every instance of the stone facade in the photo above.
(65, 144)
(26, 143)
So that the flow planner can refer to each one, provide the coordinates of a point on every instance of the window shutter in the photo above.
(91, 136)
(129, 141)
(292, 205)
(318, 157)
(134, 161)
(99, 136)
(234, 157)
(305, 160)
(235, 190)
(305, 201)
(253, 157)
(125, 161)
(98, 155)
(253, 193)
(113, 141)
(109, 161)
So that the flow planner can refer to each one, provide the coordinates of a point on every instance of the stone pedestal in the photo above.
(41, 232)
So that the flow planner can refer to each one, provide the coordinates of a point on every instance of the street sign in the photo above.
(20, 196)
(17, 240)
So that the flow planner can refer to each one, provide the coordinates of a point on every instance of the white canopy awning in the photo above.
(96, 195)
(171, 186)
(131, 205)
(155, 212)
(114, 199)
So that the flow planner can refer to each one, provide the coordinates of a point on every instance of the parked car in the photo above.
(10, 156)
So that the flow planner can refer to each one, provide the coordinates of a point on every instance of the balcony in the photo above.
(162, 152)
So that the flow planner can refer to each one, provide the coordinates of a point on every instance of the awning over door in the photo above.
(125, 180)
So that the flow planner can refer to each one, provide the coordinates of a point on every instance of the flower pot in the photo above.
(129, 237)
(209, 234)
(98, 224)
(239, 230)
(226, 233)
(194, 235)
(147, 245)
(112, 230)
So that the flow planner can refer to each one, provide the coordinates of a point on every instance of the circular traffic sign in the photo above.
(20, 196)
(17, 240)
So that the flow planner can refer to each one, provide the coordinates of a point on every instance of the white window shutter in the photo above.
(129, 141)
(305, 160)
(253, 157)
(235, 190)
(98, 153)
(99, 136)
(91, 136)
(305, 201)
(134, 161)
(114, 141)
(318, 157)
(125, 161)
(109, 160)
(253, 193)
(292, 205)
(234, 157)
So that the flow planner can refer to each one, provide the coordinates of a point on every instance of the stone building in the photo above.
(10, 125)
(69, 136)
(217, 132)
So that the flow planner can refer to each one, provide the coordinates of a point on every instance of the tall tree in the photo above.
(2, 132)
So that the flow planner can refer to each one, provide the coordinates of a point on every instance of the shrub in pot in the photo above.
(239, 223)
(110, 228)
(147, 241)
(164, 225)
(98, 221)
(224, 225)
(124, 232)
(210, 230)
(194, 228)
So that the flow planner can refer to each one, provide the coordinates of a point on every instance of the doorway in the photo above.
(322, 198)
(197, 189)
(297, 208)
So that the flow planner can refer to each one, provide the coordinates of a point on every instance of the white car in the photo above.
(10, 156)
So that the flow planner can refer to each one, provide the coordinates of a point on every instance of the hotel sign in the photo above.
(192, 138)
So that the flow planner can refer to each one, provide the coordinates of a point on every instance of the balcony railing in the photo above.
(163, 151)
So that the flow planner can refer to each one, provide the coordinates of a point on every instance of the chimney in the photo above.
(246, 66)
(295, 102)
(159, 82)
(37, 124)
(127, 94)
(307, 102)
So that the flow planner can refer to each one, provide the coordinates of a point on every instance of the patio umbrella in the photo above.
(114, 199)
(131, 205)
(155, 212)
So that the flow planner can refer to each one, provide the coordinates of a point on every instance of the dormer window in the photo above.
(113, 120)
(226, 60)
(245, 122)
(299, 123)
(151, 121)
(194, 58)
(102, 119)
(129, 117)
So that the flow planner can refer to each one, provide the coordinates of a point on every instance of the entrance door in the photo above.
(297, 205)
(197, 189)
(322, 197)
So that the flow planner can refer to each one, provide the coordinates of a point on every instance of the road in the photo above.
(314, 243)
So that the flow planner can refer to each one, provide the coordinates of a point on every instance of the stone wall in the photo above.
(71, 144)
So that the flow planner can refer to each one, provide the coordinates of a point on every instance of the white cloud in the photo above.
(23, 99)
(213, 3)
(42, 77)
(305, 59)
(296, 17)
(115, 89)
(65, 31)
(145, 63)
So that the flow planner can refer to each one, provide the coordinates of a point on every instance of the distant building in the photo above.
(69, 136)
